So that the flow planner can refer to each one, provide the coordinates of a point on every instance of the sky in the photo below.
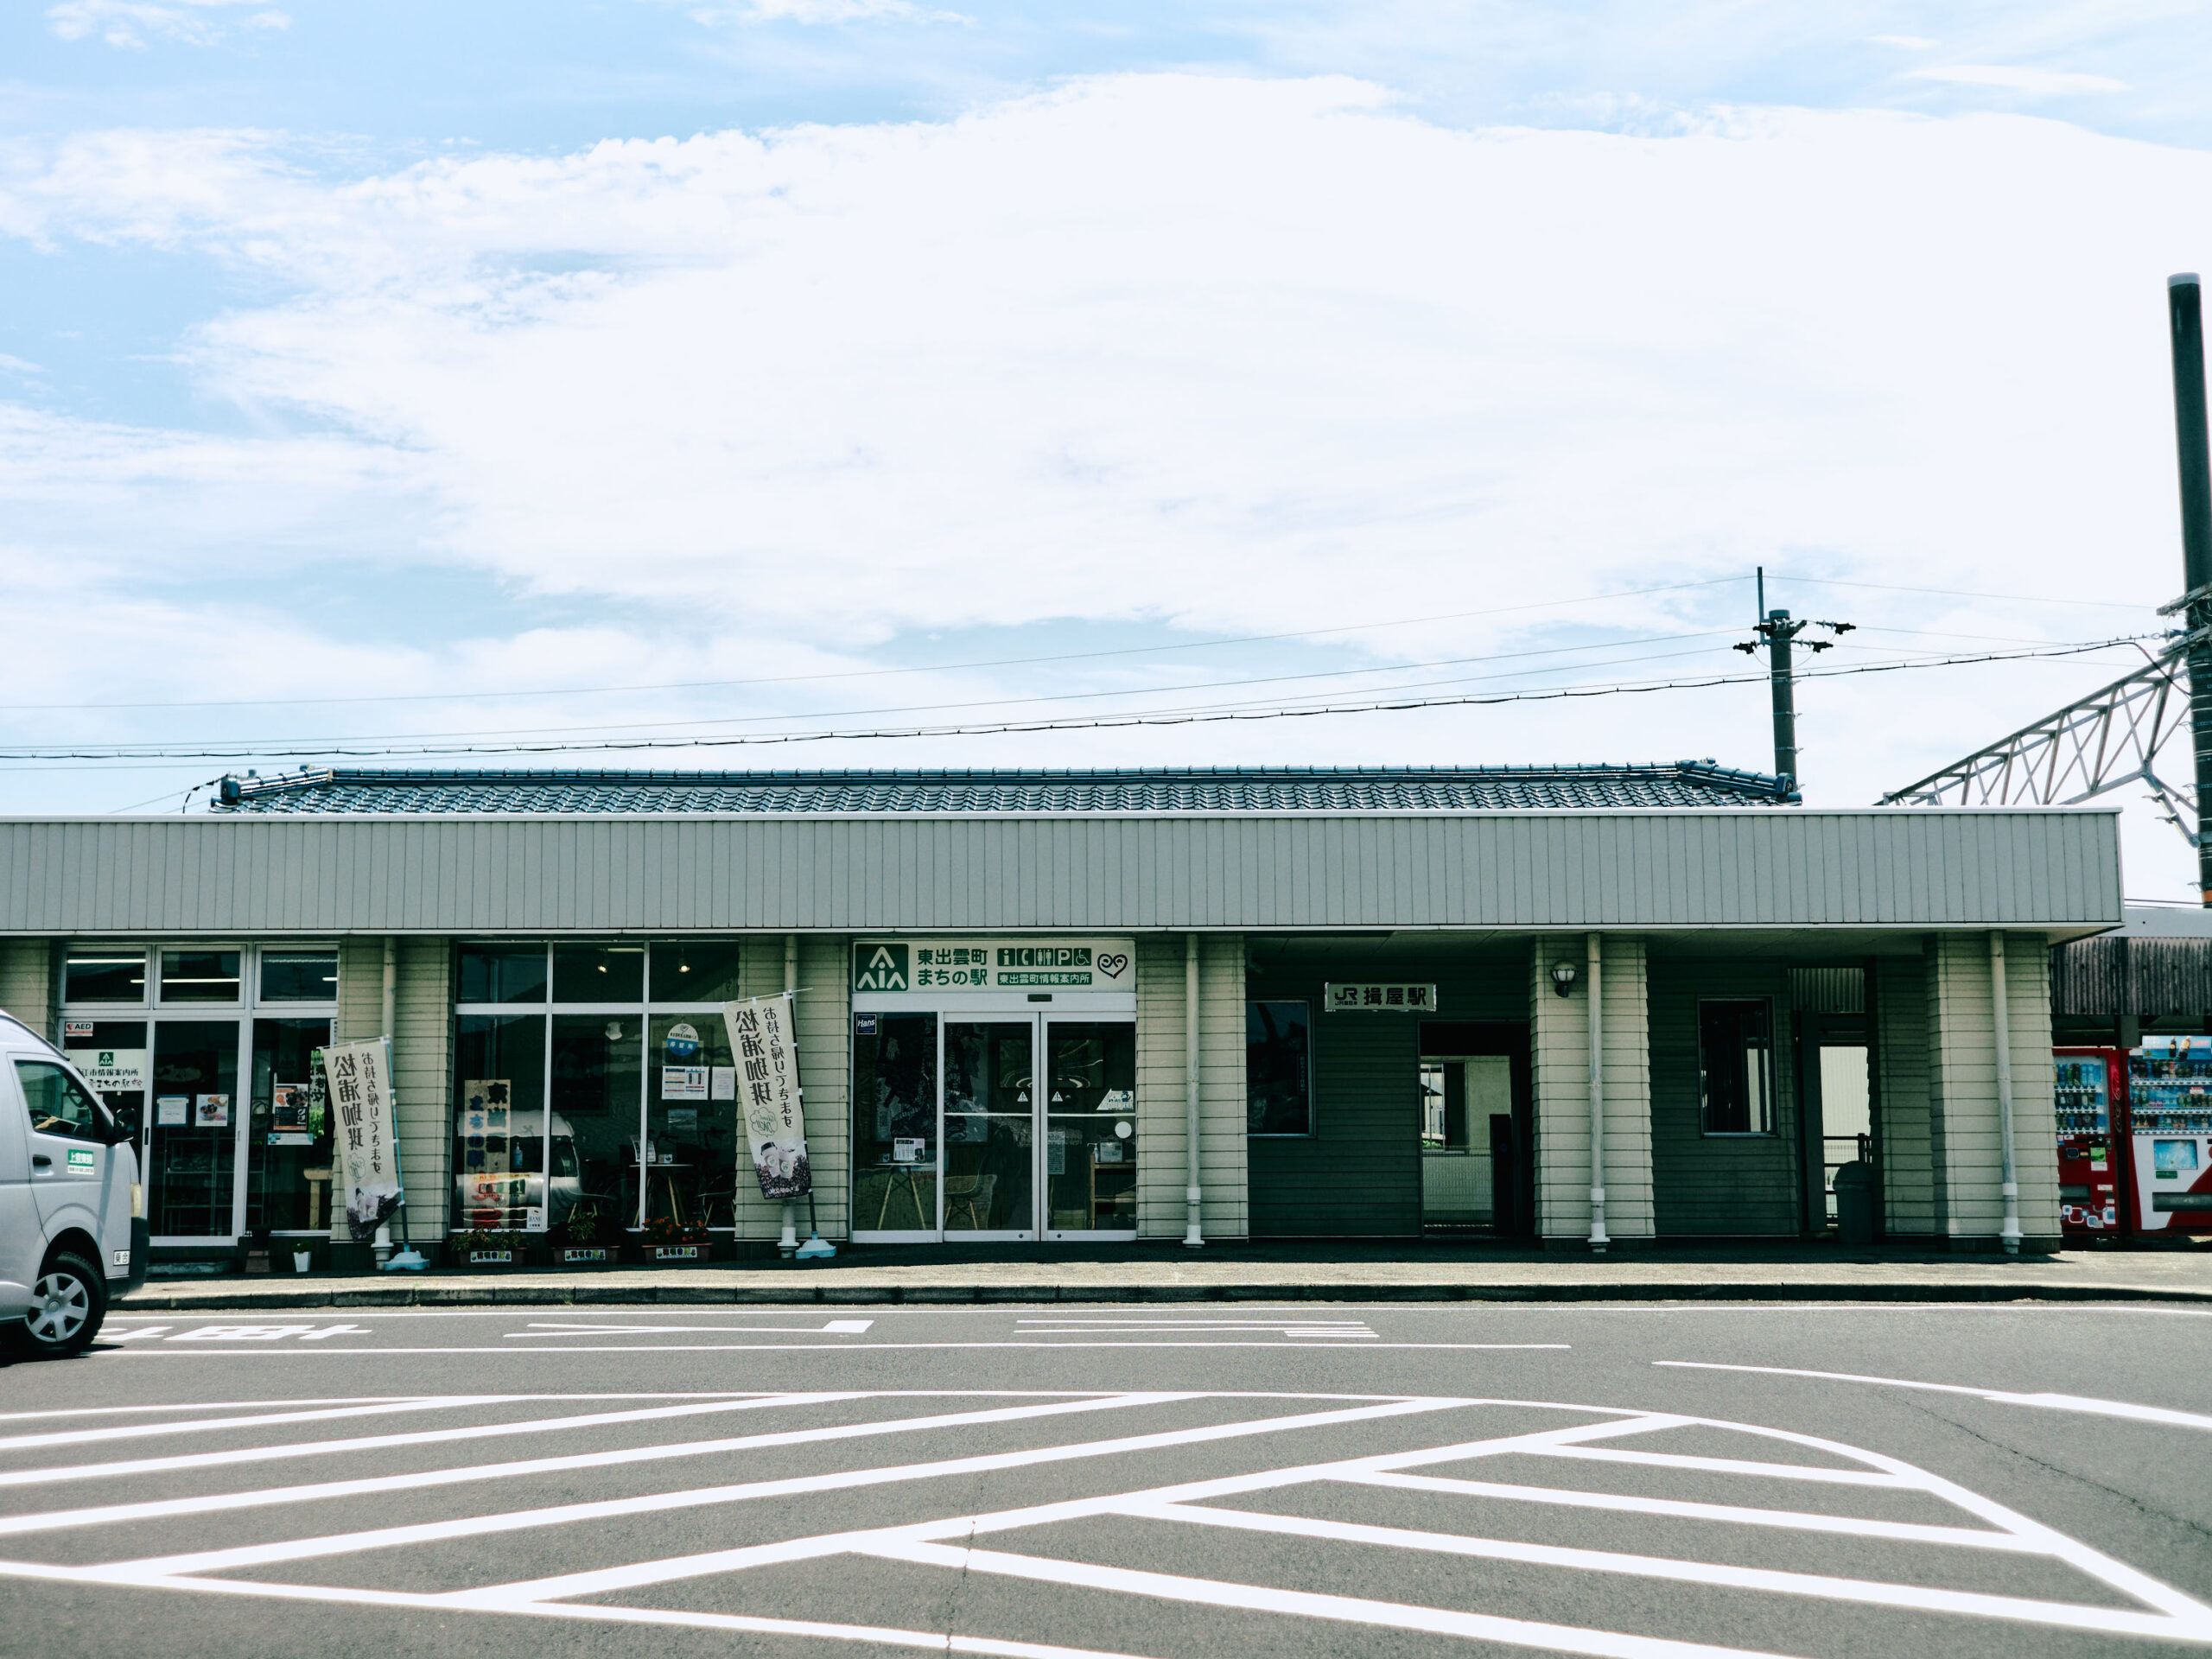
(565, 384)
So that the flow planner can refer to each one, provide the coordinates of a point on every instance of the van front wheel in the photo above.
(68, 1304)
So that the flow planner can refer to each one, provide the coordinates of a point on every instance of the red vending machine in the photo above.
(2092, 1110)
(2170, 1140)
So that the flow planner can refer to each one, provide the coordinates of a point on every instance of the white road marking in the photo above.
(1785, 1520)
(208, 1425)
(846, 1327)
(471, 1475)
(818, 1347)
(244, 1405)
(949, 1542)
(798, 1486)
(1999, 1396)
(380, 1442)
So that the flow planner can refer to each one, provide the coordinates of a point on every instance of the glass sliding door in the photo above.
(191, 1185)
(998, 1125)
(895, 1139)
(990, 1120)
(1090, 1128)
(288, 1148)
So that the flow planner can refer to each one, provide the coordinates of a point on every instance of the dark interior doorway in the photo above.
(1478, 1167)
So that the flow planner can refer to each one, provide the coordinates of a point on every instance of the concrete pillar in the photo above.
(1561, 1067)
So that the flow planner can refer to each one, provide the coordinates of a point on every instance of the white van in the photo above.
(72, 1230)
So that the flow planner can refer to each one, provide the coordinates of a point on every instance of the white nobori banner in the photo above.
(760, 1040)
(359, 1078)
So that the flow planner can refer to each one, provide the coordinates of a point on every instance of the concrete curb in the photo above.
(436, 1294)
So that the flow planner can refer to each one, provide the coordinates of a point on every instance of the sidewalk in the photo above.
(1237, 1272)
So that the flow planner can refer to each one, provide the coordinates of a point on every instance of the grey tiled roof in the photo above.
(1244, 789)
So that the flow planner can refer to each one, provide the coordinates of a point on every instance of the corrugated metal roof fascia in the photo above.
(1578, 870)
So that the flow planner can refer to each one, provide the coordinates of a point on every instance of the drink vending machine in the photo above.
(2091, 1102)
(2169, 1095)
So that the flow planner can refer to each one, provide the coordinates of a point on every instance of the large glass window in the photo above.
(701, 970)
(894, 1121)
(586, 1123)
(499, 1128)
(599, 973)
(1736, 1065)
(299, 976)
(1090, 1126)
(289, 1148)
(91, 974)
(194, 1132)
(501, 973)
(111, 1053)
(199, 976)
(1278, 1068)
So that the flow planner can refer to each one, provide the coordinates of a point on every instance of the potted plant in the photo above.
(484, 1247)
(667, 1239)
(585, 1239)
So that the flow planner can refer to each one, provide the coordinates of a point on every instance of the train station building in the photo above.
(1373, 1003)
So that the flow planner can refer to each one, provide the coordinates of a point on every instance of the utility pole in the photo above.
(1777, 633)
(2185, 313)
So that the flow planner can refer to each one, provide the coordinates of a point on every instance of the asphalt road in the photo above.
(1306, 1480)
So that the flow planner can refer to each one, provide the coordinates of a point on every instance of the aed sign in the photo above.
(967, 967)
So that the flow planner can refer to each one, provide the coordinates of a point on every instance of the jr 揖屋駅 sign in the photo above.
(1001, 965)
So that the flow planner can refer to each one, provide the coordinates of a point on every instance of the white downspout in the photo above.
(1597, 1240)
(383, 1245)
(1193, 1234)
(787, 1242)
(2002, 1030)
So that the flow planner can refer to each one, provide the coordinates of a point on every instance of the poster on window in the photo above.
(768, 1094)
(359, 1078)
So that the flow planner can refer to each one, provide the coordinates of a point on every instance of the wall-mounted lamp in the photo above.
(1563, 977)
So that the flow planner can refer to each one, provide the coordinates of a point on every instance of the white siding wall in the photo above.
(1906, 1149)
(26, 983)
(1962, 1086)
(1161, 1107)
(825, 1050)
(422, 1061)
(1560, 1044)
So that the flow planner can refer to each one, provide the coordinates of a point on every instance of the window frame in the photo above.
(1312, 1129)
(1769, 1096)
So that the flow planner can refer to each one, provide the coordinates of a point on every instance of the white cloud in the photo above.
(1245, 355)
(823, 12)
(1905, 42)
(2040, 82)
(132, 22)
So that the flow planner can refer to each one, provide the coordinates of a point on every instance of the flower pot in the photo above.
(303, 1259)
(686, 1253)
(487, 1258)
(582, 1255)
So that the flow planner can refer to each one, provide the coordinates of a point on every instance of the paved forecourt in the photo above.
(1114, 1481)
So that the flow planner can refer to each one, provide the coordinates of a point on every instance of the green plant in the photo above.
(464, 1240)
(587, 1223)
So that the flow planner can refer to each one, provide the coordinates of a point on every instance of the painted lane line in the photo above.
(1922, 1599)
(378, 1442)
(1353, 1610)
(1999, 1396)
(389, 1537)
(1786, 1520)
(931, 1641)
(1732, 1465)
(221, 1405)
(812, 1347)
(208, 1425)
(638, 1574)
(850, 1327)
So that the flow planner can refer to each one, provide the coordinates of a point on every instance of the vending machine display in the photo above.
(2170, 1094)
(2089, 1099)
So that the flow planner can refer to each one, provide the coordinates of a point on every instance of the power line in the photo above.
(875, 673)
(1162, 717)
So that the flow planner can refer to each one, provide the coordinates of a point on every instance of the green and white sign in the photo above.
(113, 1071)
(968, 966)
